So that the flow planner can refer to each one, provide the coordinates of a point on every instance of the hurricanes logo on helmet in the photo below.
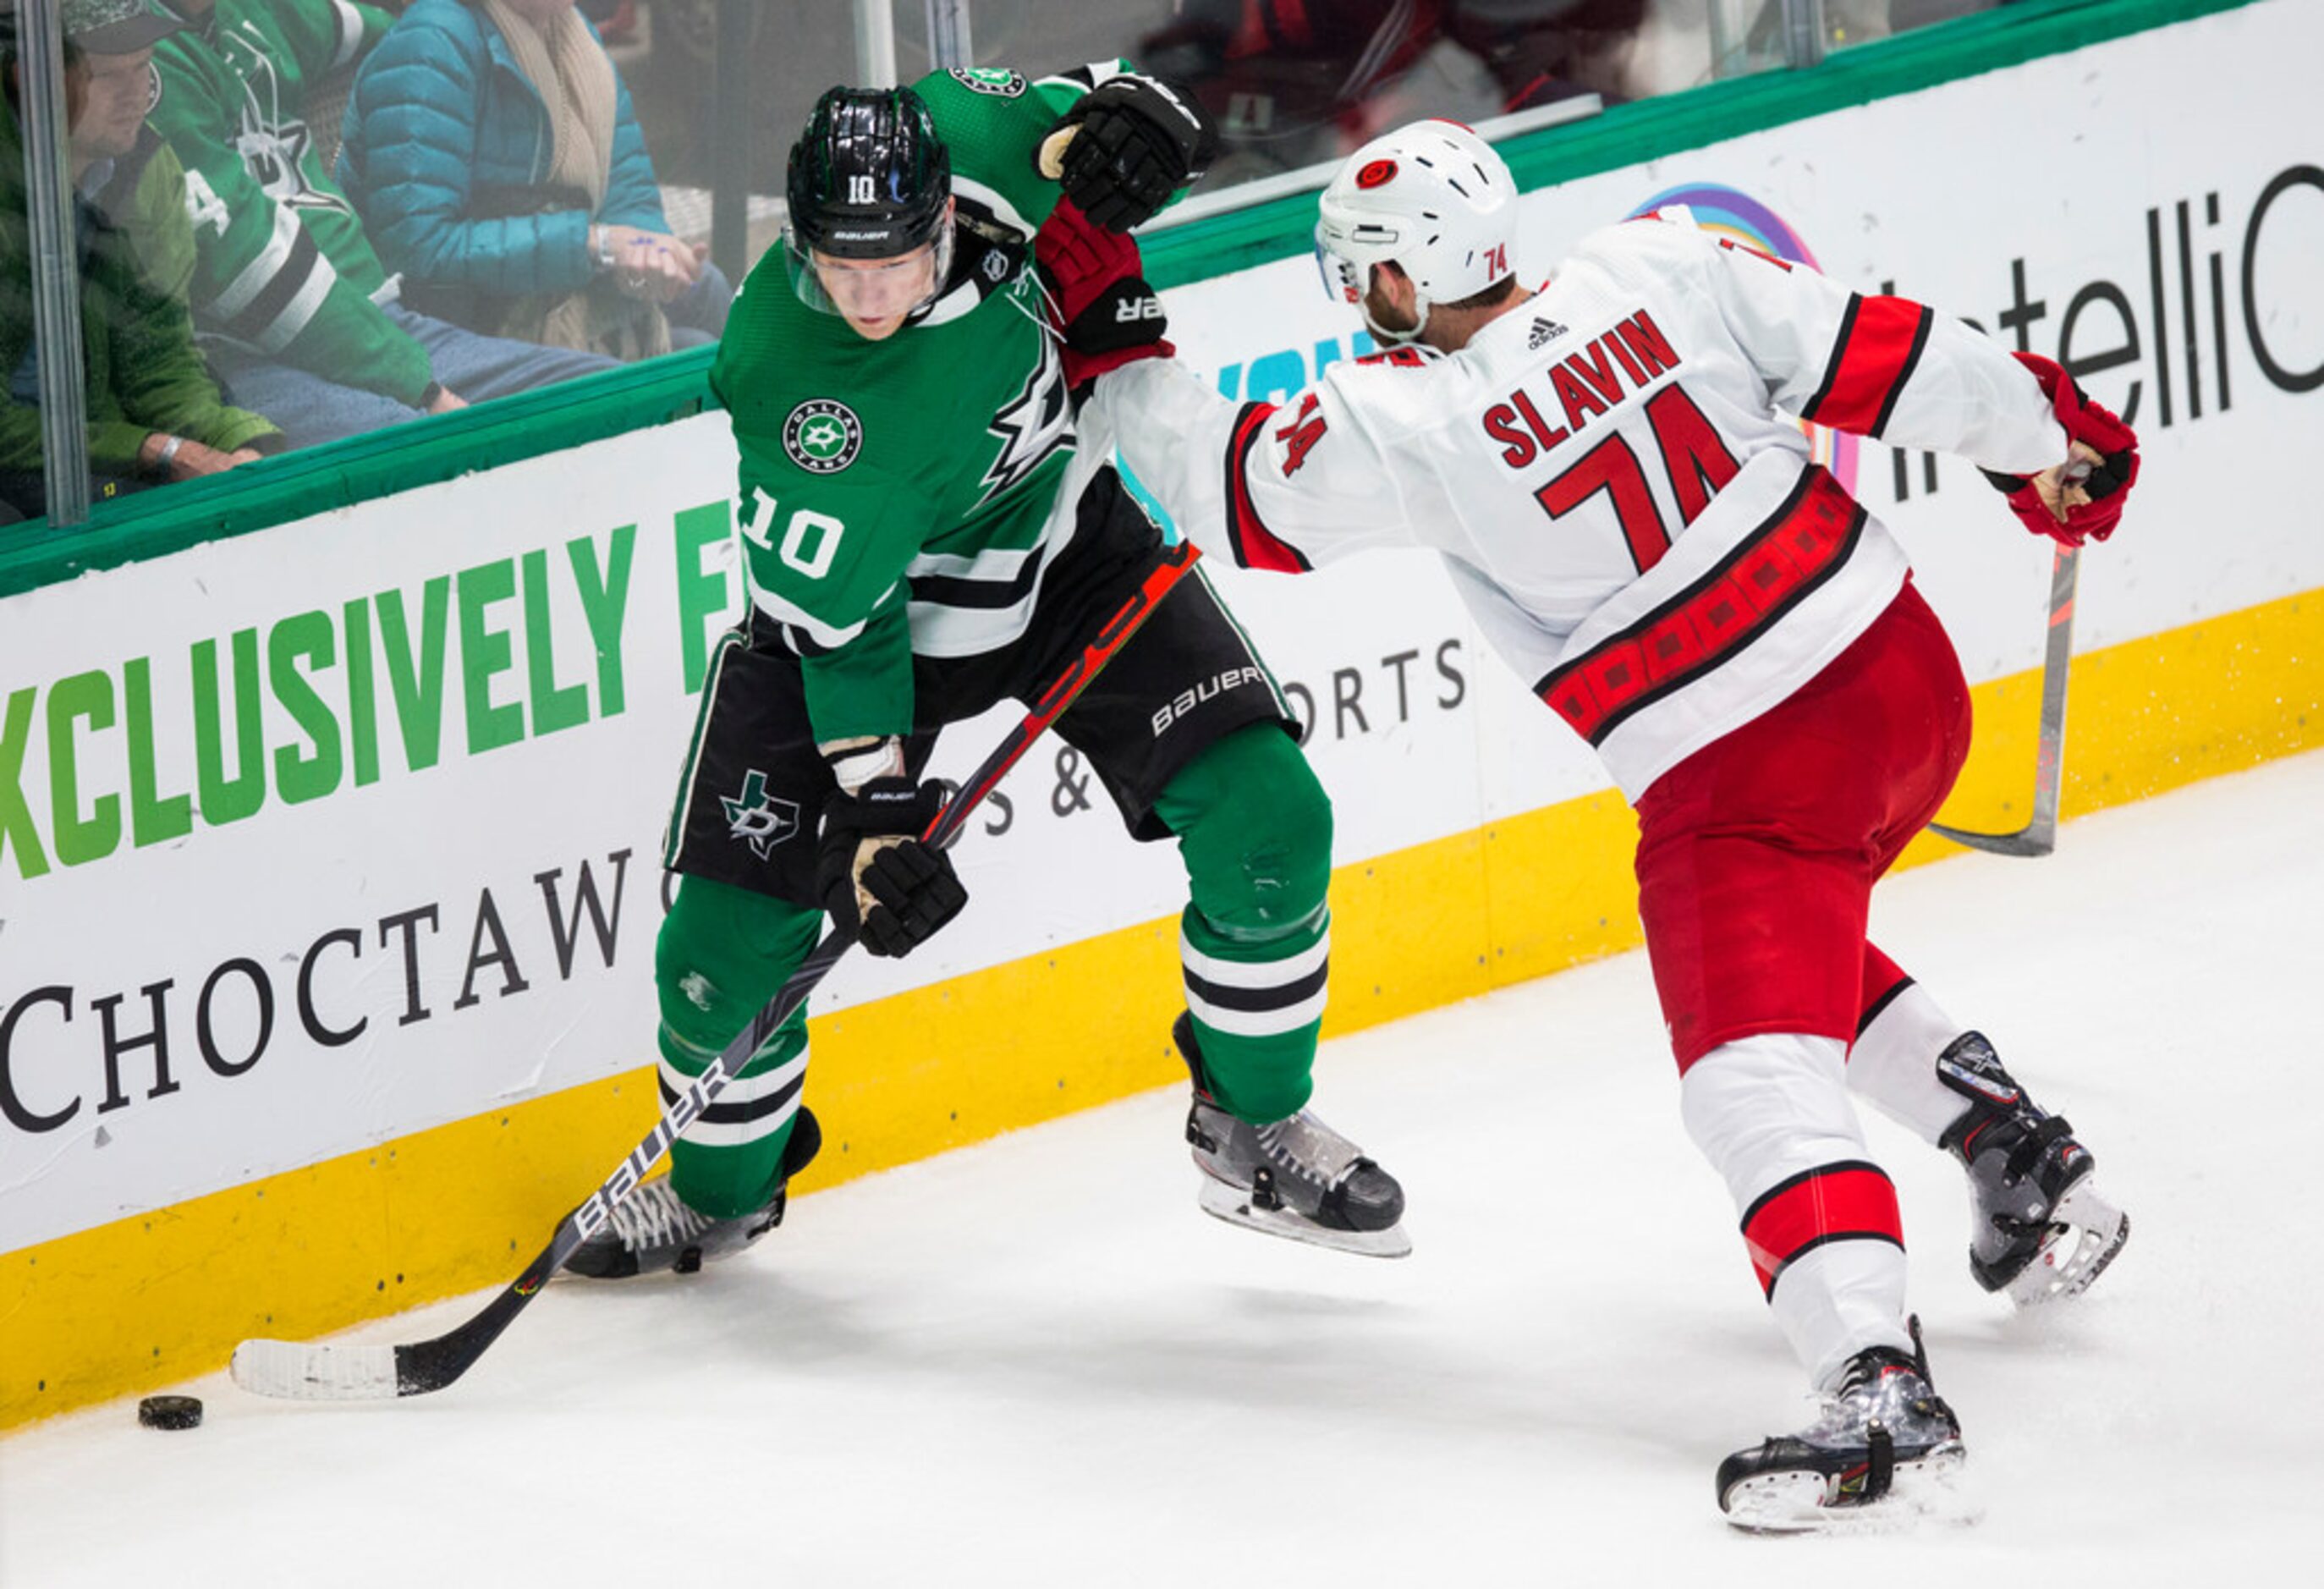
(823, 437)
(1379, 173)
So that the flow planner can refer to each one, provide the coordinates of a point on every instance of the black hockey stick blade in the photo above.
(310, 1371)
(2039, 836)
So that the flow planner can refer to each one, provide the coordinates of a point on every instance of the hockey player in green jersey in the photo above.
(923, 539)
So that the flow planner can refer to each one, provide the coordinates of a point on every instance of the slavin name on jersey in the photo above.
(1586, 384)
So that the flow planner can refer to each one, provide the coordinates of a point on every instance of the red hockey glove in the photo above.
(2082, 499)
(1106, 314)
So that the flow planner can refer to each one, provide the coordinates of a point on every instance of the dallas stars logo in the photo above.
(988, 79)
(823, 437)
(756, 818)
(1033, 425)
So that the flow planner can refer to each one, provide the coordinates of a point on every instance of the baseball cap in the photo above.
(115, 27)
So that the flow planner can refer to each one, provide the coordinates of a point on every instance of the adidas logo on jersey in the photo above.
(1131, 311)
(1544, 333)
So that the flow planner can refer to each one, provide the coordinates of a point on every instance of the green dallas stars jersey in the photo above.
(906, 496)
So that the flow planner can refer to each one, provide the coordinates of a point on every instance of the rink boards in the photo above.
(328, 854)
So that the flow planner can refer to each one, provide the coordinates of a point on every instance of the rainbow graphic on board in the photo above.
(1725, 212)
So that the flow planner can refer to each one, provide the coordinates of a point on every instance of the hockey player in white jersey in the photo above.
(1611, 470)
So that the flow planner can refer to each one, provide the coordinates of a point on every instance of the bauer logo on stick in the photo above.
(823, 437)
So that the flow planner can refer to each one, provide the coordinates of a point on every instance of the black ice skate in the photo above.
(652, 1230)
(2042, 1229)
(1295, 1178)
(1887, 1441)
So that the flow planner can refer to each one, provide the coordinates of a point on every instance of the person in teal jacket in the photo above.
(494, 153)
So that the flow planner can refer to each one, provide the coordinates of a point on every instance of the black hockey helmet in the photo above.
(869, 178)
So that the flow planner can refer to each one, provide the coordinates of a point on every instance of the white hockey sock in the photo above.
(1894, 1063)
(1772, 1114)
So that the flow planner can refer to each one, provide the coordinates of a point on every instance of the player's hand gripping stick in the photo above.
(307, 1372)
(2080, 499)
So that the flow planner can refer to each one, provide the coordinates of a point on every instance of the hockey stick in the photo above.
(300, 1370)
(2039, 836)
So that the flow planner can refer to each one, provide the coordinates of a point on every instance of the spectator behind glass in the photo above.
(491, 149)
(304, 321)
(155, 412)
(1295, 81)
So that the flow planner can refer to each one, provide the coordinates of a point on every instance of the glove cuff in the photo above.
(1083, 369)
(855, 762)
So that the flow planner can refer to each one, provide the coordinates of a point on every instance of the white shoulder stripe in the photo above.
(784, 612)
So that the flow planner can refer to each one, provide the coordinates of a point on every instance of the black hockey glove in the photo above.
(1140, 141)
(875, 877)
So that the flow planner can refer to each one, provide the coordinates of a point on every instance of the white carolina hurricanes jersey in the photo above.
(1639, 530)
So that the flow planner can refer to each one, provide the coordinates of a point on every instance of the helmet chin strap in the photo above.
(1380, 332)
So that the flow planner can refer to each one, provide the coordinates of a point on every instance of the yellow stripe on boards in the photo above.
(2149, 716)
(162, 1297)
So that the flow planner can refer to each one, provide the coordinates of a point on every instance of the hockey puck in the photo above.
(171, 1413)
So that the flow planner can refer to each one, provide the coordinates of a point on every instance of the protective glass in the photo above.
(870, 289)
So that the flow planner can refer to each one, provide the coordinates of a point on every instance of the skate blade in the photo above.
(2086, 1232)
(1233, 1204)
(1924, 1492)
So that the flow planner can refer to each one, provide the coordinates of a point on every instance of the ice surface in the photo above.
(1035, 1362)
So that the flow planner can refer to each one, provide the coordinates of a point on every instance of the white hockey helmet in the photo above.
(1433, 199)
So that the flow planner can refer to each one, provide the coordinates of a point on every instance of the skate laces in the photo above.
(654, 1216)
(1870, 1367)
(1310, 1149)
(1886, 1385)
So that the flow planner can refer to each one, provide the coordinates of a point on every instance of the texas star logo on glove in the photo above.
(823, 437)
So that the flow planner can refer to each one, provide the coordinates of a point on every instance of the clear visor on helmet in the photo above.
(1343, 278)
(870, 289)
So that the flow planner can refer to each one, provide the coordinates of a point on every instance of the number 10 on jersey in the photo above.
(809, 542)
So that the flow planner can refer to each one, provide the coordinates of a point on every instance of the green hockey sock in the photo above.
(723, 953)
(1255, 832)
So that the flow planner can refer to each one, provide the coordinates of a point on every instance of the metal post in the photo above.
(1804, 33)
(875, 44)
(730, 161)
(56, 262)
(949, 48)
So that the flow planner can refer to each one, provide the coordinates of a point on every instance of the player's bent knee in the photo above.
(722, 952)
(1258, 842)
